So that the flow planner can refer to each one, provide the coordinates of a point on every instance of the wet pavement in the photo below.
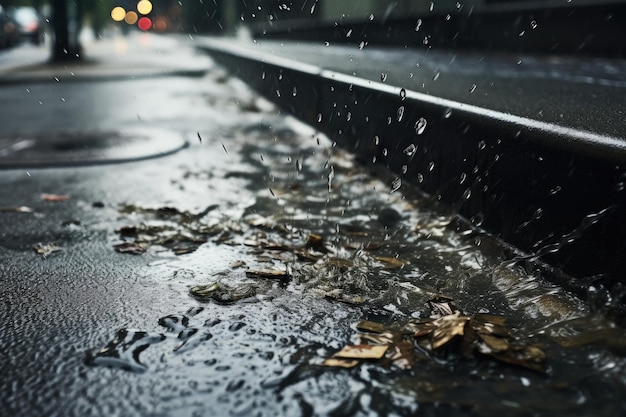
(216, 279)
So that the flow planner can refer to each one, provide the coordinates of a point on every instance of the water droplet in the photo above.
(319, 117)
(533, 24)
(522, 33)
(402, 93)
(482, 145)
(362, 45)
(447, 17)
(420, 178)
(349, 33)
(383, 77)
(326, 43)
(410, 150)
(418, 25)
(467, 194)
(462, 177)
(294, 92)
(472, 88)
(396, 184)
(298, 165)
(371, 17)
(348, 116)
(420, 126)
(385, 152)
(263, 75)
(400, 113)
(405, 168)
(431, 166)
(277, 93)
(432, 6)
(447, 113)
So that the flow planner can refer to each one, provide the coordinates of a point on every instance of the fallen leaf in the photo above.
(266, 273)
(20, 209)
(341, 363)
(370, 326)
(46, 249)
(55, 197)
(133, 248)
(362, 352)
(204, 290)
(390, 262)
(447, 328)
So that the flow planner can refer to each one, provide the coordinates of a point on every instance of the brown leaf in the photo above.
(46, 249)
(55, 197)
(341, 363)
(20, 209)
(133, 248)
(390, 262)
(361, 352)
(494, 343)
(447, 328)
(266, 273)
(370, 326)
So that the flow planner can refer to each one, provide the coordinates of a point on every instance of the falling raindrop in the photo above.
(402, 93)
(376, 140)
(277, 93)
(400, 113)
(331, 175)
(224, 147)
(362, 45)
(319, 117)
(462, 177)
(396, 184)
(522, 33)
(405, 168)
(436, 76)
(432, 6)
(420, 126)
(371, 17)
(295, 92)
(467, 193)
(326, 43)
(533, 24)
(447, 113)
(349, 33)
(431, 166)
(418, 25)
(420, 178)
(385, 152)
(383, 77)
(389, 120)
(348, 116)
(472, 88)
(298, 165)
(482, 145)
(410, 150)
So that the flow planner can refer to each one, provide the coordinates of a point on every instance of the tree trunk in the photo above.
(66, 25)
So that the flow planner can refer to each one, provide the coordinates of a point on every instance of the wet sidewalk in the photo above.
(218, 275)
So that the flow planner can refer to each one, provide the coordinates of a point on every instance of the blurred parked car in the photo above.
(29, 23)
(9, 33)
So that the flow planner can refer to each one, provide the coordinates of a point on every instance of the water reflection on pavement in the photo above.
(125, 336)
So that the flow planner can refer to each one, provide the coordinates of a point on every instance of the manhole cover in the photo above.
(61, 149)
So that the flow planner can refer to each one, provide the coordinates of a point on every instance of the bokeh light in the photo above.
(160, 24)
(131, 18)
(144, 23)
(118, 14)
(144, 7)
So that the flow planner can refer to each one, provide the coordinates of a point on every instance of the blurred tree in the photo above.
(66, 23)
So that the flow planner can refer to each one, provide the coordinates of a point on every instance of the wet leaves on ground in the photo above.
(455, 335)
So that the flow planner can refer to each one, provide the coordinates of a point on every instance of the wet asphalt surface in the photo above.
(257, 177)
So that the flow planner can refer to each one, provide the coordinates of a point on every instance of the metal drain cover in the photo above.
(63, 149)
